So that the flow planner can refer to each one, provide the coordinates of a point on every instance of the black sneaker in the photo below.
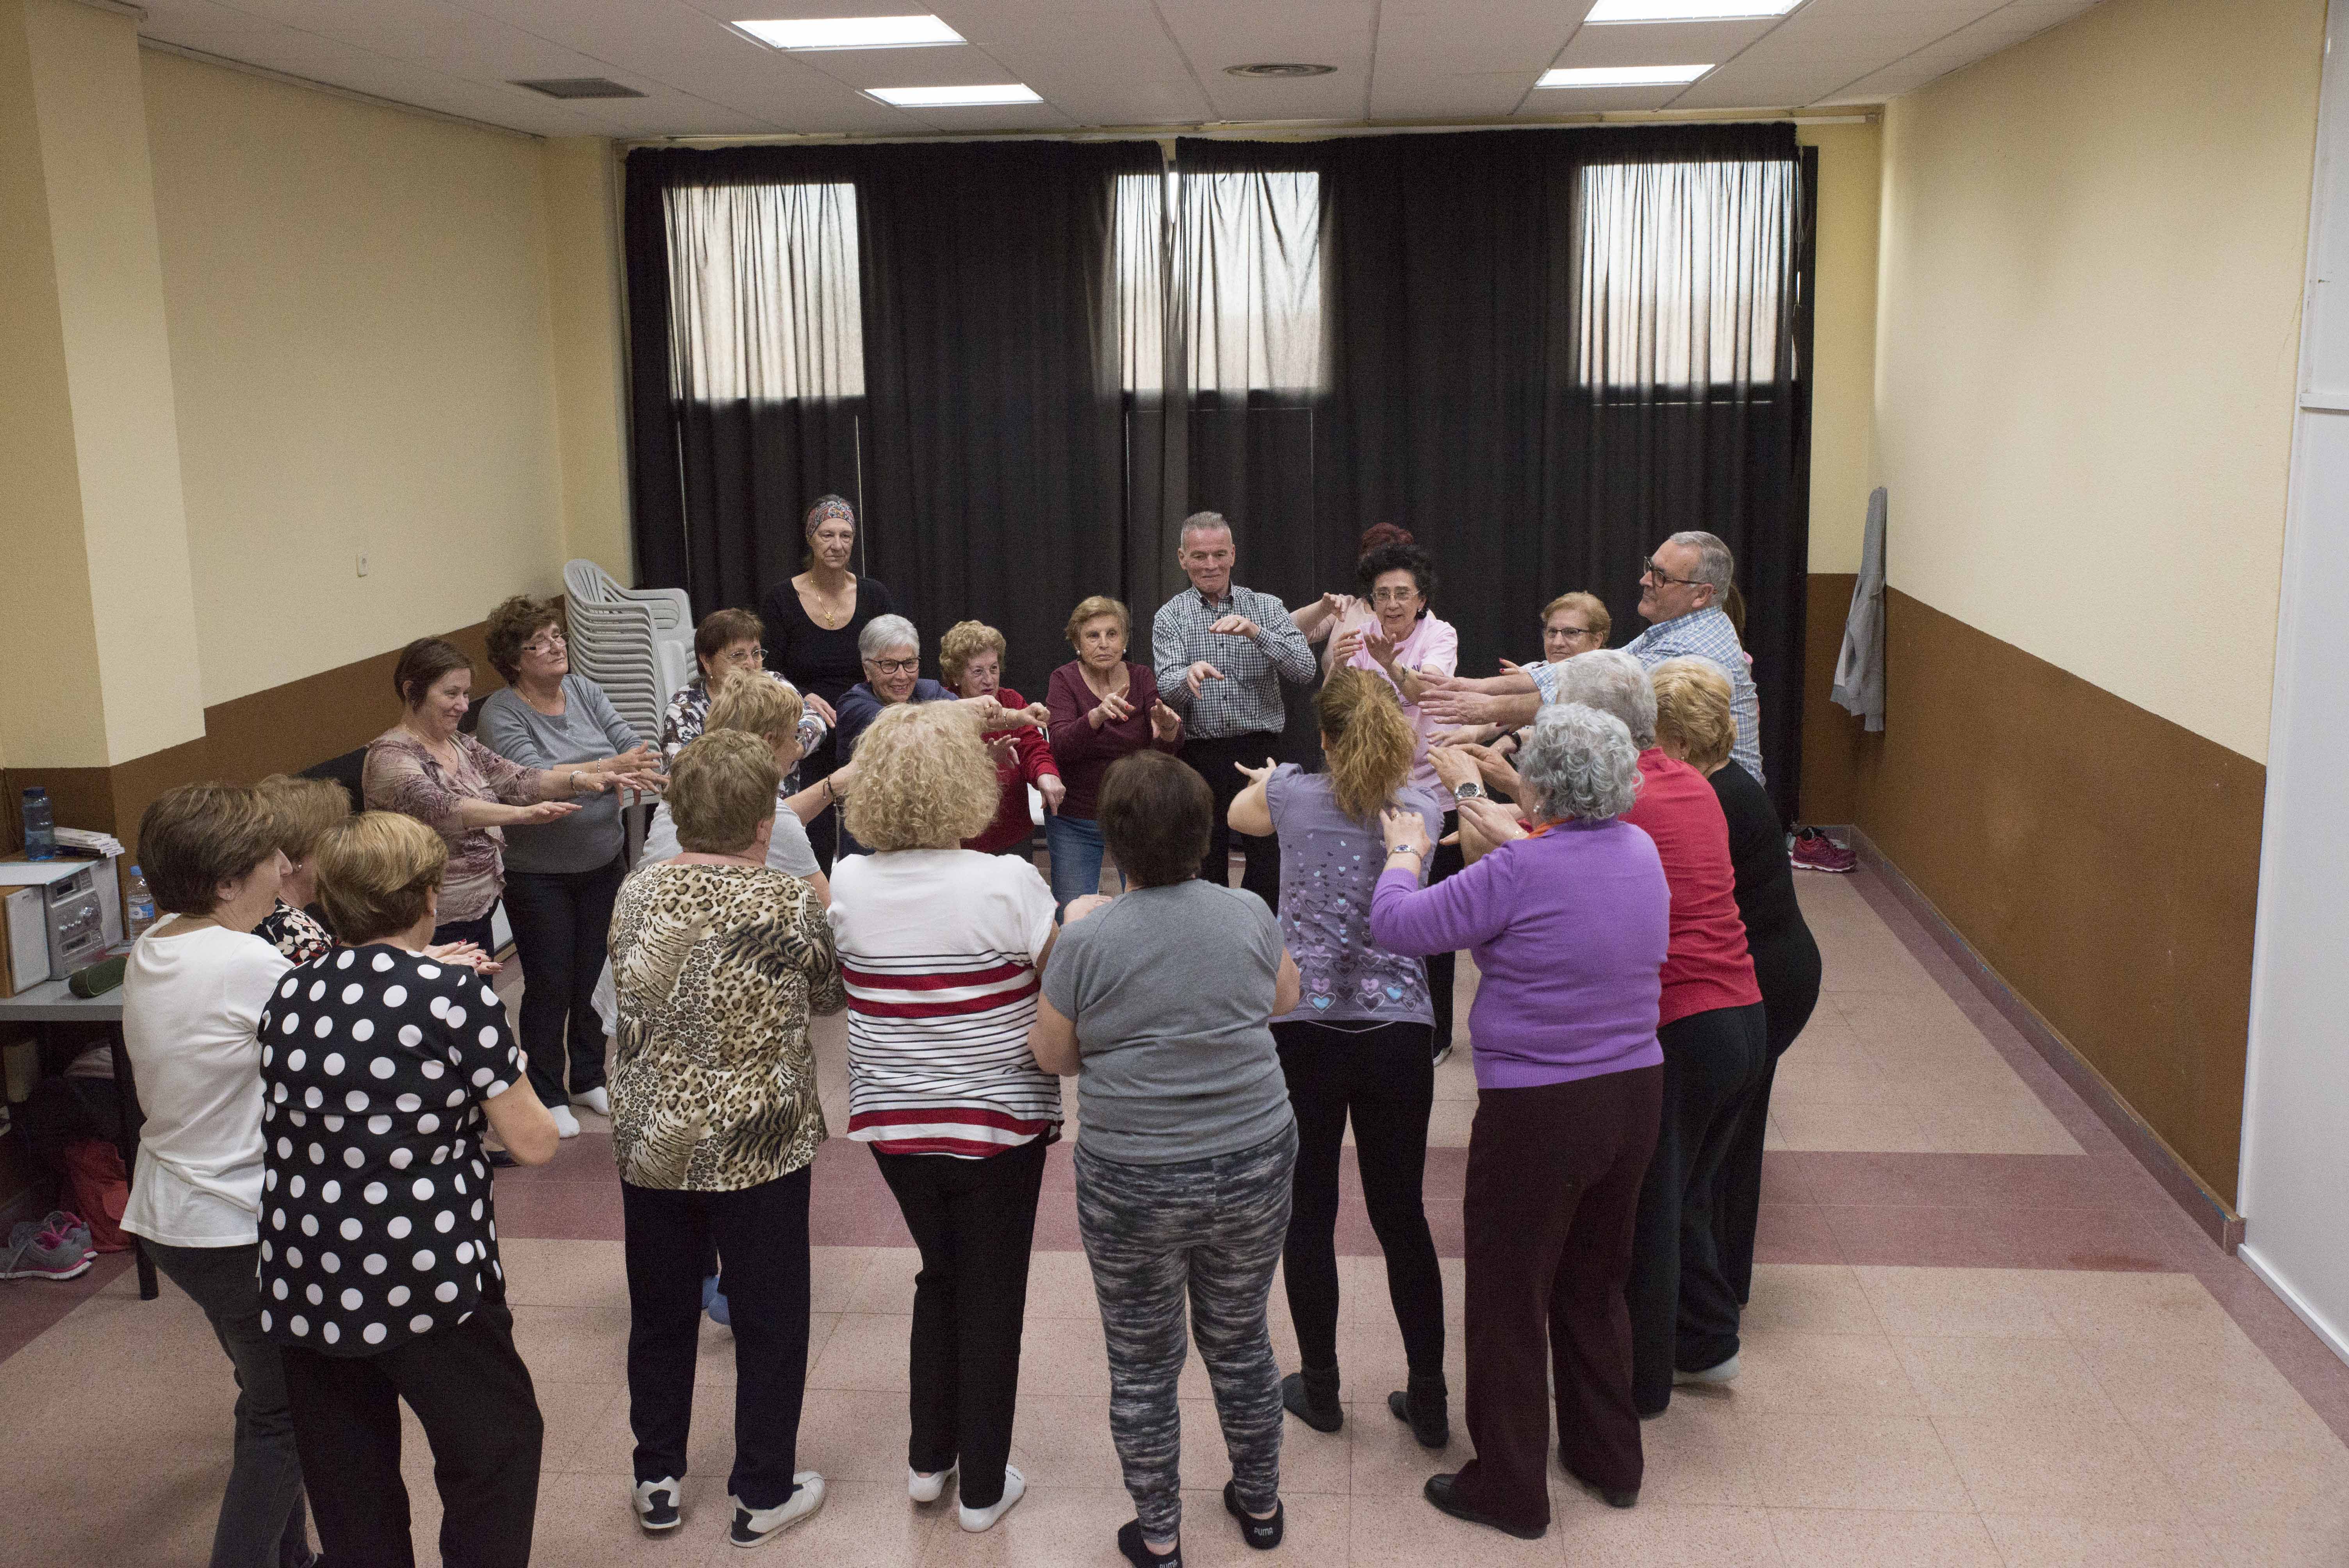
(1130, 1542)
(1264, 1534)
(1311, 1397)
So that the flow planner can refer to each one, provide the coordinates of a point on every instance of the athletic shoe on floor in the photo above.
(1814, 852)
(565, 1124)
(598, 1100)
(34, 1252)
(69, 1226)
(1725, 1372)
(1442, 1053)
(976, 1520)
(657, 1509)
(756, 1526)
(928, 1488)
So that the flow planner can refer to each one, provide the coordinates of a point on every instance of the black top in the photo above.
(810, 656)
(375, 1223)
(1757, 851)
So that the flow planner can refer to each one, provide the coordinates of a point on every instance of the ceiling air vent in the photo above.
(580, 87)
(1279, 68)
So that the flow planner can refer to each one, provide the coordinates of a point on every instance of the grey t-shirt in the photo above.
(588, 730)
(1171, 989)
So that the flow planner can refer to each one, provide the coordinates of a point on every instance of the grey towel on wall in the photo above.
(1859, 668)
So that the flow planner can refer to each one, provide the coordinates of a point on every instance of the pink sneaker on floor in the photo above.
(1814, 852)
(36, 1254)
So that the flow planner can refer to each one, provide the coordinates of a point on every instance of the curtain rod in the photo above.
(1261, 131)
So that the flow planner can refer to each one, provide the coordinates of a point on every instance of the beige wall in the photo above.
(2093, 252)
(1843, 340)
(583, 232)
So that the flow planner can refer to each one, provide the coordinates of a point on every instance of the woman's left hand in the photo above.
(1255, 775)
(1453, 764)
(1080, 907)
(1404, 830)
(1037, 714)
(823, 710)
(1380, 647)
(1053, 791)
(643, 759)
(1003, 746)
(465, 954)
(1165, 723)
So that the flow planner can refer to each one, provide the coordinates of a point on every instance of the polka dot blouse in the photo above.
(375, 1217)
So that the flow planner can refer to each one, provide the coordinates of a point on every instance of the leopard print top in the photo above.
(717, 968)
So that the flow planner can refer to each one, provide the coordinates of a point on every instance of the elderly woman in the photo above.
(970, 660)
(1572, 625)
(1568, 923)
(1357, 1046)
(1696, 722)
(382, 1070)
(1159, 1001)
(193, 995)
(719, 960)
(941, 945)
(1684, 1311)
(1099, 708)
(725, 643)
(814, 625)
(302, 811)
(892, 651)
(770, 711)
(561, 877)
(427, 767)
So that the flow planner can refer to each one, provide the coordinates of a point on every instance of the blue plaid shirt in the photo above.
(1248, 700)
(1707, 634)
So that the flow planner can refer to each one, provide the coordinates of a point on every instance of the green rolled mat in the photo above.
(98, 978)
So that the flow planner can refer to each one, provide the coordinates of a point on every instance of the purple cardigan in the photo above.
(1568, 931)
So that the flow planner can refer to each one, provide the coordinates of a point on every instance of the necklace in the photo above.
(830, 611)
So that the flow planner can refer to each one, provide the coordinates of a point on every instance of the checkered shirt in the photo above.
(1248, 700)
(1707, 634)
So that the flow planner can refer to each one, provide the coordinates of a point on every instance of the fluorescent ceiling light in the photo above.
(1687, 10)
(1622, 76)
(955, 98)
(853, 32)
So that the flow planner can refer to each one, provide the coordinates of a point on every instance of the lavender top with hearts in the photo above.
(1328, 864)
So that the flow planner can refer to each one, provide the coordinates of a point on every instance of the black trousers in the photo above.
(1683, 1313)
(1383, 1079)
(763, 1232)
(1786, 967)
(1554, 1177)
(1442, 966)
(974, 1221)
(1214, 760)
(471, 1392)
(561, 920)
(478, 931)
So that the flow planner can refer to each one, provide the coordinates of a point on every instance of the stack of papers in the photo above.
(84, 839)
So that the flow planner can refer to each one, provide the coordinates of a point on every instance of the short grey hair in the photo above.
(1578, 762)
(885, 632)
(1715, 567)
(1206, 523)
(1613, 682)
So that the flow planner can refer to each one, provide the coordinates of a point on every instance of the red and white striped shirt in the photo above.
(939, 948)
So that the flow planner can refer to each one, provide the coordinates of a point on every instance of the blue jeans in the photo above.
(1077, 851)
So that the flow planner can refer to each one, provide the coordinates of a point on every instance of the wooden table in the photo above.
(51, 1003)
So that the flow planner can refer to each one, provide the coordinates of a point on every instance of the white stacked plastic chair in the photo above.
(635, 643)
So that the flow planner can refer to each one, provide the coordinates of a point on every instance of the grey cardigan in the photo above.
(588, 730)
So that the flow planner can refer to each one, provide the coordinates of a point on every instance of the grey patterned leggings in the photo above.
(1212, 1229)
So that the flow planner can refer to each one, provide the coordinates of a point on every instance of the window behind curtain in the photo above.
(1245, 285)
(763, 291)
(1683, 268)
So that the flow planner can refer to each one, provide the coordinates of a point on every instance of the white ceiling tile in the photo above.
(173, 19)
(1480, 96)
(1596, 100)
(950, 68)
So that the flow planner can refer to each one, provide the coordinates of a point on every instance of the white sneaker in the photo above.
(927, 1487)
(1724, 1373)
(598, 1100)
(657, 1509)
(756, 1526)
(565, 1124)
(1015, 1487)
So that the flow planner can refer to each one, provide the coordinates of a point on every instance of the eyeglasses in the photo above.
(1394, 596)
(1662, 577)
(1572, 630)
(895, 666)
(746, 658)
(546, 645)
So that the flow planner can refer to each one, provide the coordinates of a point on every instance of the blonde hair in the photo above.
(721, 787)
(1596, 613)
(1692, 710)
(302, 810)
(963, 641)
(766, 708)
(923, 779)
(376, 872)
(1093, 609)
(1363, 736)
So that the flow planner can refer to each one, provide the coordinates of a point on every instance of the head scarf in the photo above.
(826, 507)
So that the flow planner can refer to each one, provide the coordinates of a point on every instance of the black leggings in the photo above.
(1382, 1076)
(1442, 967)
(1787, 968)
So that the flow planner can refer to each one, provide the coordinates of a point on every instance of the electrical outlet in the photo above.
(363, 564)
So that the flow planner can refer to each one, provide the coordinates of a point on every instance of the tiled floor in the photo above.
(1980, 1333)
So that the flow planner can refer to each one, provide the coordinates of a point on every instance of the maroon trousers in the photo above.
(1554, 1177)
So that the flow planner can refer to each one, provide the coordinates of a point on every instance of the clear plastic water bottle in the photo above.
(40, 827)
(140, 904)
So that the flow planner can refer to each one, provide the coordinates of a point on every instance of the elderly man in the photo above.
(1221, 653)
(1681, 593)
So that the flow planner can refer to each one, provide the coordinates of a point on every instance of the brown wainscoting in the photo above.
(281, 730)
(2103, 860)
(1832, 737)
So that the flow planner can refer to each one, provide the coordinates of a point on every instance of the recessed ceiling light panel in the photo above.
(955, 98)
(853, 32)
(1279, 68)
(1687, 10)
(579, 88)
(1621, 76)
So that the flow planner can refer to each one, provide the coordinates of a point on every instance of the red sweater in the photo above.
(1085, 753)
(1707, 965)
(1031, 762)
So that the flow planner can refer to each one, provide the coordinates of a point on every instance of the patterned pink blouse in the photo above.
(403, 776)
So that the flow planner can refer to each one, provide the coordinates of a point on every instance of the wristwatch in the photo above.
(1472, 790)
